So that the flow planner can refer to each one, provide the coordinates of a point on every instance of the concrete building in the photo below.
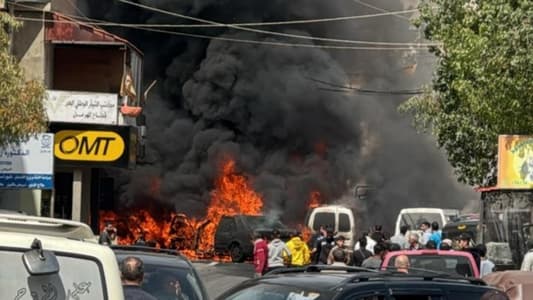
(94, 105)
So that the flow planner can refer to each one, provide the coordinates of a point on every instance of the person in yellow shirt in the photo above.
(299, 250)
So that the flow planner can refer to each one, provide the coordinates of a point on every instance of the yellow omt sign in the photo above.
(98, 146)
(515, 162)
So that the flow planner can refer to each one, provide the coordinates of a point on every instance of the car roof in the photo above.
(153, 256)
(328, 281)
(429, 252)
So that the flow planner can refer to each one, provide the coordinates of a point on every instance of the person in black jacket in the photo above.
(132, 273)
(359, 255)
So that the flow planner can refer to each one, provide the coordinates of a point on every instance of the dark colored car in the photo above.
(452, 230)
(163, 269)
(234, 234)
(357, 285)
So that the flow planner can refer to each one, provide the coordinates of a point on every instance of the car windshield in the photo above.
(414, 220)
(454, 265)
(261, 221)
(165, 282)
(277, 292)
(78, 278)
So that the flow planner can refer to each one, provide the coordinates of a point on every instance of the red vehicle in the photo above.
(458, 263)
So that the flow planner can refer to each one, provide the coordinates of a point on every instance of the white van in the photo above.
(45, 258)
(415, 216)
(339, 217)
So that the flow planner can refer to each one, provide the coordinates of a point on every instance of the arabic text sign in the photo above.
(515, 162)
(82, 107)
(28, 165)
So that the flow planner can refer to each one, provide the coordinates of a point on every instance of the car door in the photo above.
(224, 234)
(373, 292)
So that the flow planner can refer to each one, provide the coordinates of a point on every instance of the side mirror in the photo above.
(40, 262)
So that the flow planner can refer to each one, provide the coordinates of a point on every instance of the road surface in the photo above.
(219, 277)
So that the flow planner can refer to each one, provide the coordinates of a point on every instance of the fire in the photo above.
(233, 194)
(314, 199)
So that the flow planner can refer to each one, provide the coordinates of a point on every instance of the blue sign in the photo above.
(28, 165)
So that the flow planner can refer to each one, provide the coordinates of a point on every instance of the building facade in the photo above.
(93, 101)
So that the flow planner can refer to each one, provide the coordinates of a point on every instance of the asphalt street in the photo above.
(219, 277)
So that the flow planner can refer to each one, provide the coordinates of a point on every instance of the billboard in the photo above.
(515, 162)
(82, 107)
(29, 165)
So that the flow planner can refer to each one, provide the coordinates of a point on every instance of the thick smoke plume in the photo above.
(276, 110)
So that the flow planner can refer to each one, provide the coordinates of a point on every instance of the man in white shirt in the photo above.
(527, 263)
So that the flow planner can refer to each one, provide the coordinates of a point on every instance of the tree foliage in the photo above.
(21, 102)
(483, 84)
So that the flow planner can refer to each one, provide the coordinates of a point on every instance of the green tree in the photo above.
(21, 102)
(483, 84)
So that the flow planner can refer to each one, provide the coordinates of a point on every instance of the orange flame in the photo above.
(314, 199)
(233, 194)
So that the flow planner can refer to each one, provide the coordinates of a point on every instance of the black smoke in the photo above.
(278, 111)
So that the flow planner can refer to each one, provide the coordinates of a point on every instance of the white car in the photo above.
(340, 218)
(45, 258)
(414, 217)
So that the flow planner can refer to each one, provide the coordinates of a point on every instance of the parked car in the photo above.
(324, 283)
(234, 234)
(46, 258)
(457, 263)
(339, 217)
(162, 269)
(453, 229)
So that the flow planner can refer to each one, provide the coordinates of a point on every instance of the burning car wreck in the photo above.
(234, 234)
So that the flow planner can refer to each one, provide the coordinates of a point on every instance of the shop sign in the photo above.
(89, 145)
(515, 162)
(28, 165)
(82, 107)
(86, 145)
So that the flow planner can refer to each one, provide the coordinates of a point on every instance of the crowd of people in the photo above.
(327, 248)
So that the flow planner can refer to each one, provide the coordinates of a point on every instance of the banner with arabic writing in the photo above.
(28, 165)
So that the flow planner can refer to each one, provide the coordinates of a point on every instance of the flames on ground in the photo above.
(232, 195)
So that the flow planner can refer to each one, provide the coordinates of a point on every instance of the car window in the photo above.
(261, 221)
(227, 225)
(455, 265)
(323, 218)
(163, 282)
(416, 297)
(276, 292)
(78, 278)
(344, 223)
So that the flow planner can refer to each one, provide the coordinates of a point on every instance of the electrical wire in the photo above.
(331, 86)
(146, 7)
(246, 41)
(291, 22)
(381, 9)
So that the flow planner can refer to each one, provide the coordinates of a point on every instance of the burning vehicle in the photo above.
(234, 234)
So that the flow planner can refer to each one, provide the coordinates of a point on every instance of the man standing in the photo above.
(401, 239)
(374, 262)
(487, 266)
(132, 272)
(325, 247)
(436, 234)
(317, 244)
(413, 242)
(108, 235)
(360, 254)
(402, 264)
(299, 251)
(527, 263)
(464, 245)
(339, 244)
(277, 252)
(426, 232)
(260, 255)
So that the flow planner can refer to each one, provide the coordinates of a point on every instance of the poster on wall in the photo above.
(28, 165)
(515, 162)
